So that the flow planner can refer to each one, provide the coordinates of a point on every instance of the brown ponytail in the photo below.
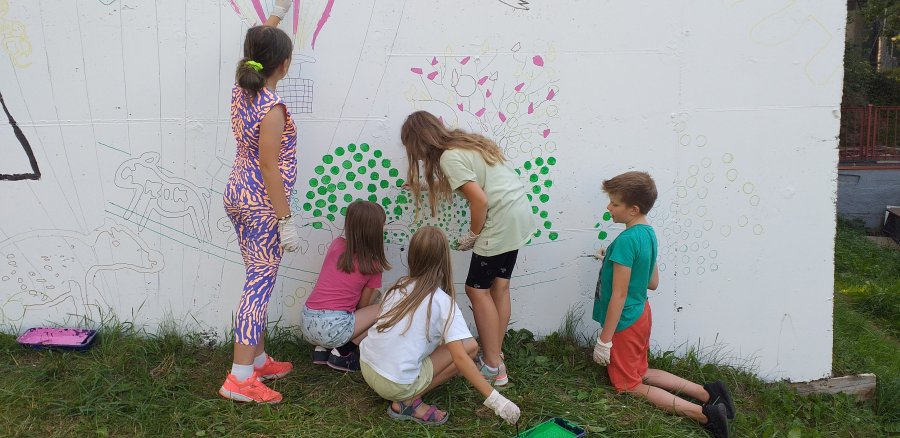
(270, 47)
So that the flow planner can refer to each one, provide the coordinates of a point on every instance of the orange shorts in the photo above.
(628, 357)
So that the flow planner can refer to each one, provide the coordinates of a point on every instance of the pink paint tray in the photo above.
(62, 338)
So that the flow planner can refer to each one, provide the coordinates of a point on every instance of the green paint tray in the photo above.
(554, 428)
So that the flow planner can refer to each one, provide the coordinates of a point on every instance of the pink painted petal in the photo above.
(502, 116)
(519, 87)
(416, 70)
(433, 60)
(482, 80)
(538, 61)
(460, 106)
(465, 60)
(551, 94)
(546, 133)
(487, 93)
(432, 75)
(530, 107)
(479, 113)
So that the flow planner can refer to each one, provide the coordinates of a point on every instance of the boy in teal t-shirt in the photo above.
(621, 307)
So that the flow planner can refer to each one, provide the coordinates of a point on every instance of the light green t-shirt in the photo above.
(636, 248)
(510, 222)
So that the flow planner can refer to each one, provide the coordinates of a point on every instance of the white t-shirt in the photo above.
(398, 357)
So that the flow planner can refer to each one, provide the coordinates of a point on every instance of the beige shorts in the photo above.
(397, 391)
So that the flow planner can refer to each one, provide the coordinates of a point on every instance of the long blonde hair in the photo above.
(425, 139)
(429, 269)
(364, 231)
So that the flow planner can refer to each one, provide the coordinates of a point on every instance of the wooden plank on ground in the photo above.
(861, 385)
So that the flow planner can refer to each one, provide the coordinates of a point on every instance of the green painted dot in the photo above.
(602, 235)
(385, 201)
(544, 198)
(529, 196)
(350, 176)
(551, 161)
(330, 217)
(341, 185)
(348, 197)
(322, 190)
(328, 159)
(386, 163)
(310, 194)
(544, 213)
(372, 163)
(357, 157)
(384, 184)
(307, 206)
(372, 188)
(317, 225)
(534, 209)
(393, 173)
(536, 189)
(361, 170)
(398, 211)
(351, 147)
(545, 170)
(377, 153)
(518, 172)
(332, 198)
(347, 164)
(332, 188)
(364, 147)
(313, 182)
(335, 170)
(332, 208)
(374, 176)
(539, 161)
(401, 199)
(607, 216)
(344, 210)
(320, 203)
(317, 212)
(537, 233)
(373, 198)
(548, 183)
(320, 170)
(339, 151)
(527, 165)
(358, 185)
(326, 179)
(553, 235)
(533, 178)
(548, 224)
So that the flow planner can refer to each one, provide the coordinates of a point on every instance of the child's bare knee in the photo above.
(471, 347)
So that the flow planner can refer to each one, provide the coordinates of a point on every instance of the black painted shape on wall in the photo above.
(26, 147)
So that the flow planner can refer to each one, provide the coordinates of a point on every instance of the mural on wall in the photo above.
(12, 137)
(14, 38)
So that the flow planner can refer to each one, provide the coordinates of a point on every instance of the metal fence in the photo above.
(870, 134)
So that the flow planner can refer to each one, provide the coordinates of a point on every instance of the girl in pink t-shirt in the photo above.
(341, 307)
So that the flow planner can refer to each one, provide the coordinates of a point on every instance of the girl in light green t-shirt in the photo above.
(501, 218)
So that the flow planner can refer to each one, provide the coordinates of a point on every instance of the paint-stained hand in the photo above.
(281, 8)
(504, 408)
(600, 253)
(601, 352)
(289, 233)
(466, 241)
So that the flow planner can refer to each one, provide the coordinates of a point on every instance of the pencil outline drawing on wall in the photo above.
(14, 38)
(26, 149)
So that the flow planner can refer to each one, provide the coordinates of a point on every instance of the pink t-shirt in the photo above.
(336, 289)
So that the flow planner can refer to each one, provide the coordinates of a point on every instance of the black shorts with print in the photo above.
(483, 270)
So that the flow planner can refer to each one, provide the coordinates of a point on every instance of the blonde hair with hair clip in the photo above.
(429, 269)
(426, 138)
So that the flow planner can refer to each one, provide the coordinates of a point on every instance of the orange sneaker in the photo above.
(250, 390)
(272, 369)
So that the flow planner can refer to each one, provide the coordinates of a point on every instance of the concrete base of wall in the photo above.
(864, 194)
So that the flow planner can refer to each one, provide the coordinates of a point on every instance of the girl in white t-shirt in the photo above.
(500, 213)
(421, 340)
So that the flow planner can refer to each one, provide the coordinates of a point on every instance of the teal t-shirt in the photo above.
(636, 248)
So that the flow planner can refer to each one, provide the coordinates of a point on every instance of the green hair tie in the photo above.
(255, 65)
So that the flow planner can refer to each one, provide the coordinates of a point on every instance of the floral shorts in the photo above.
(327, 328)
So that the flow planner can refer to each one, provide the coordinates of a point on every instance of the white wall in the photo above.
(732, 105)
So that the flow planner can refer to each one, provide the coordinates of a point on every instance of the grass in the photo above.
(136, 384)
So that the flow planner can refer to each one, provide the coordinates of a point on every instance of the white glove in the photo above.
(466, 241)
(280, 9)
(506, 409)
(600, 253)
(601, 352)
(289, 233)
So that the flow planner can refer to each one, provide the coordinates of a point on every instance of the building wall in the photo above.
(732, 106)
(864, 194)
